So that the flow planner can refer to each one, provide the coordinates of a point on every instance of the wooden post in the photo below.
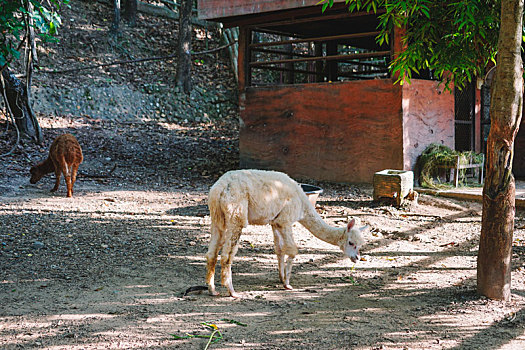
(289, 76)
(331, 49)
(244, 58)
(318, 52)
(397, 45)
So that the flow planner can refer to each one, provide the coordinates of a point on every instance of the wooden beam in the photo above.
(284, 69)
(368, 64)
(279, 52)
(255, 17)
(317, 39)
(273, 32)
(324, 58)
(322, 18)
(362, 75)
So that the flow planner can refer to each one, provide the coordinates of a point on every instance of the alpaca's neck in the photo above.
(320, 229)
(46, 166)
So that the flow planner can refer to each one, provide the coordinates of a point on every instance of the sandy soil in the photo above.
(107, 269)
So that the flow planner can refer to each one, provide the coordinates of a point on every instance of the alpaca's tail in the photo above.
(217, 215)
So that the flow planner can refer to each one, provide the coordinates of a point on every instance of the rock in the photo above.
(38, 245)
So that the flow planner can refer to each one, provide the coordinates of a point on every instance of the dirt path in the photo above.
(107, 268)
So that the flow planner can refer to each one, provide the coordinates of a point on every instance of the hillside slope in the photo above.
(131, 116)
(138, 90)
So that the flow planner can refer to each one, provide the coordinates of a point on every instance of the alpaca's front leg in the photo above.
(288, 272)
(278, 244)
(290, 249)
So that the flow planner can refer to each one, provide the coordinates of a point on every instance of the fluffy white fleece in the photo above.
(260, 197)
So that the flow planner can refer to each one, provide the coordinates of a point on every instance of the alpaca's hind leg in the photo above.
(228, 252)
(211, 259)
(74, 170)
(69, 183)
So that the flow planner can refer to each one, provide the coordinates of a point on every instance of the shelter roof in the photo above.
(299, 19)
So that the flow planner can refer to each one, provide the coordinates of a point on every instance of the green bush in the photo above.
(436, 158)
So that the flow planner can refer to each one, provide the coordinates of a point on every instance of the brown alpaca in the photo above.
(65, 155)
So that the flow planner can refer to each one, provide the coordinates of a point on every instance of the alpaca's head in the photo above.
(36, 174)
(353, 240)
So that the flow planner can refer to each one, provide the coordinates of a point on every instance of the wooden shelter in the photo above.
(316, 97)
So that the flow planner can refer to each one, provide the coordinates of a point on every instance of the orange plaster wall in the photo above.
(339, 132)
(428, 117)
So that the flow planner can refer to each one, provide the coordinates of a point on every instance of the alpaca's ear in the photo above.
(351, 224)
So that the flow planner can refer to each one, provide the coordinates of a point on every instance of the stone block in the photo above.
(393, 184)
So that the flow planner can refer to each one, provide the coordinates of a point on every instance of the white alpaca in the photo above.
(260, 197)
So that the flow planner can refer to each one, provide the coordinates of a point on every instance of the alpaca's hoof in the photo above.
(213, 293)
(288, 287)
(235, 295)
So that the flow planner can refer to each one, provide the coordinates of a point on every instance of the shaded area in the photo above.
(174, 155)
(120, 272)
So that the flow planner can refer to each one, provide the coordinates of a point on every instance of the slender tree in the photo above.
(183, 76)
(456, 40)
(21, 22)
(116, 17)
(497, 226)
(130, 12)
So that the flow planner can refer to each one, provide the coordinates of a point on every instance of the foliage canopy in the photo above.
(17, 17)
(455, 40)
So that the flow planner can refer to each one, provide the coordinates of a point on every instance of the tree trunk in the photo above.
(183, 77)
(495, 247)
(18, 104)
(116, 16)
(130, 12)
(231, 35)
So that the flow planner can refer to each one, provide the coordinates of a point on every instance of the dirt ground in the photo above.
(107, 269)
